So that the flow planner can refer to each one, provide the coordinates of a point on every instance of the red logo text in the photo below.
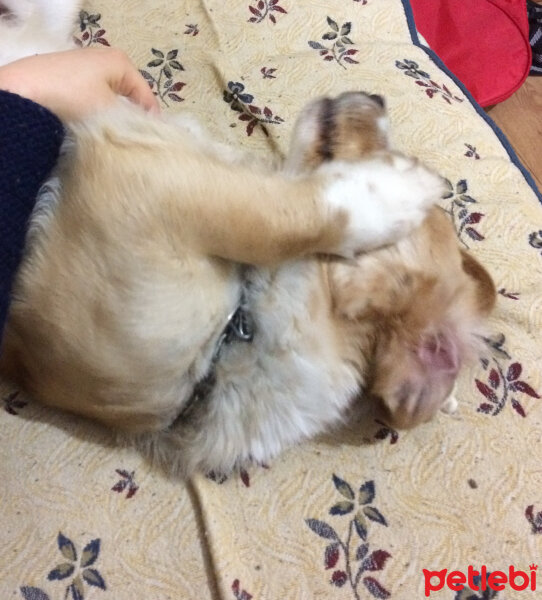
(480, 581)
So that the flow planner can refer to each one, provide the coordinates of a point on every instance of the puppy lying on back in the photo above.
(169, 291)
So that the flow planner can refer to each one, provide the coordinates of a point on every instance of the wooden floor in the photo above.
(520, 118)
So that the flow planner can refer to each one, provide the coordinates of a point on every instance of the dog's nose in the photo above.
(378, 99)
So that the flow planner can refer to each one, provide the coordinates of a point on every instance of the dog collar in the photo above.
(239, 327)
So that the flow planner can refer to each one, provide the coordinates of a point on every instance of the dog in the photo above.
(221, 313)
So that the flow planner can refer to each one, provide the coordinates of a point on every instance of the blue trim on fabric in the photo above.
(500, 135)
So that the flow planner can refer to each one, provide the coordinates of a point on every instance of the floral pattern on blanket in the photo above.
(337, 49)
(503, 381)
(469, 594)
(126, 483)
(238, 592)
(423, 79)
(535, 239)
(242, 102)
(298, 530)
(163, 82)
(91, 30)
(264, 9)
(73, 571)
(460, 210)
(535, 520)
(353, 549)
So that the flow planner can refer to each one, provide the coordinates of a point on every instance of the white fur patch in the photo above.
(383, 125)
(383, 201)
(37, 27)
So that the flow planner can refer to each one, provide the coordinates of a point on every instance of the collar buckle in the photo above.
(239, 326)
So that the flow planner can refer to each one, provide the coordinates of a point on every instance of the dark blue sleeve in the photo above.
(30, 140)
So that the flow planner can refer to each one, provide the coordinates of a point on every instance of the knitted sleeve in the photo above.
(30, 140)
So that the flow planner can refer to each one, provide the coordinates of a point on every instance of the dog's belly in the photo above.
(287, 385)
(117, 334)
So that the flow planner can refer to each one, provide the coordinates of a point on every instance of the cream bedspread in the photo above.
(353, 516)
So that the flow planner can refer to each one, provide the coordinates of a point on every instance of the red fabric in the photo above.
(483, 42)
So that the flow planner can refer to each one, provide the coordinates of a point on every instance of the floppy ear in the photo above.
(486, 294)
(372, 287)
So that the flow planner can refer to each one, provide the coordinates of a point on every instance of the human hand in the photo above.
(75, 83)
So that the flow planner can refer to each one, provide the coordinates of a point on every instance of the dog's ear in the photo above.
(376, 286)
(486, 294)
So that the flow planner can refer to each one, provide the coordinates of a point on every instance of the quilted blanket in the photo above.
(356, 515)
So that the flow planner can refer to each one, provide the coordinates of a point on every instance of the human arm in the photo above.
(30, 139)
(75, 83)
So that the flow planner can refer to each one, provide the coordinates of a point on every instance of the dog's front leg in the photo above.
(239, 214)
(344, 208)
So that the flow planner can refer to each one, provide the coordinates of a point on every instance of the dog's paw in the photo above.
(450, 405)
(381, 199)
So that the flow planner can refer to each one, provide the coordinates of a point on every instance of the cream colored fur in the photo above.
(133, 265)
